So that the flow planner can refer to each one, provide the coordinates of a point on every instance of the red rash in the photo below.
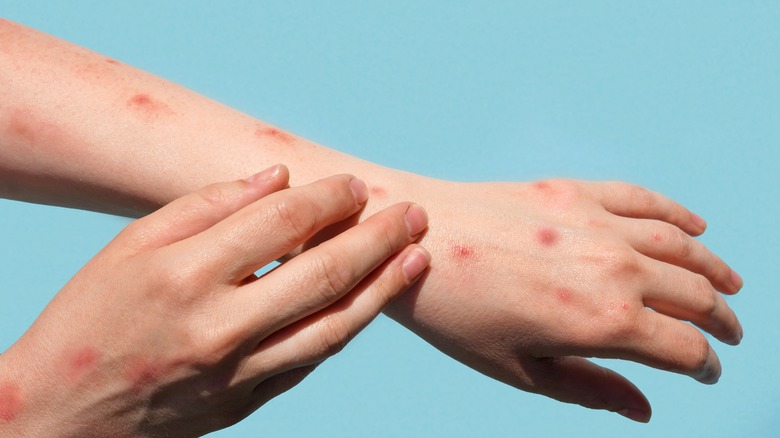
(564, 294)
(148, 106)
(82, 362)
(140, 372)
(378, 192)
(10, 401)
(546, 236)
(462, 252)
(275, 133)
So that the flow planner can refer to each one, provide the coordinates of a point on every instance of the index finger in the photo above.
(263, 231)
(633, 201)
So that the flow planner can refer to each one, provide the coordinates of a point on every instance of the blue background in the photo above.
(682, 97)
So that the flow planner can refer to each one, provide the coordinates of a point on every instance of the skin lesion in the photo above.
(81, 363)
(462, 252)
(547, 237)
(378, 192)
(262, 131)
(148, 106)
(10, 401)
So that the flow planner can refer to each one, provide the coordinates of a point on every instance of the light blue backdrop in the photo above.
(679, 96)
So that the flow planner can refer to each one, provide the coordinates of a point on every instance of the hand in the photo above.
(168, 330)
(527, 279)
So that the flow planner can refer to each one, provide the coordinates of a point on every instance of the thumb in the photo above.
(576, 380)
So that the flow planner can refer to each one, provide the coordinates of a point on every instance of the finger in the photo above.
(667, 243)
(193, 213)
(681, 294)
(323, 334)
(322, 275)
(668, 344)
(633, 201)
(279, 384)
(576, 380)
(234, 248)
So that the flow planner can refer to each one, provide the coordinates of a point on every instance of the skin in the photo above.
(527, 279)
(168, 329)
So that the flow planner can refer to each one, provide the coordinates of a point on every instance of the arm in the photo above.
(526, 280)
(163, 330)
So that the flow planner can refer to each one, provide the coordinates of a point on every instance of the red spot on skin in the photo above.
(22, 125)
(148, 106)
(140, 373)
(10, 401)
(378, 192)
(546, 236)
(82, 363)
(28, 128)
(657, 237)
(625, 306)
(462, 251)
(275, 133)
(112, 61)
(564, 294)
(541, 186)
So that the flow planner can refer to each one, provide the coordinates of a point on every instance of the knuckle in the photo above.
(293, 216)
(334, 337)
(175, 284)
(619, 327)
(685, 245)
(698, 354)
(645, 199)
(620, 262)
(706, 298)
(214, 195)
(334, 278)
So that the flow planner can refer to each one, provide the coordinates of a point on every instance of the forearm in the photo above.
(82, 130)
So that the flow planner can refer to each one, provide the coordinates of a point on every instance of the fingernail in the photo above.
(415, 263)
(635, 414)
(699, 221)
(416, 219)
(736, 280)
(741, 332)
(266, 175)
(359, 190)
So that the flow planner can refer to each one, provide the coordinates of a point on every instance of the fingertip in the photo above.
(268, 174)
(416, 220)
(710, 373)
(736, 281)
(415, 263)
(359, 190)
(640, 416)
(700, 223)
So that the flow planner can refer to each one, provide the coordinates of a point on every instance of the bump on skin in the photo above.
(462, 252)
(541, 186)
(82, 362)
(546, 236)
(378, 192)
(148, 106)
(140, 373)
(275, 133)
(564, 294)
(10, 401)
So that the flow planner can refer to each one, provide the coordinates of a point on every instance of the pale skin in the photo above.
(168, 330)
(526, 280)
